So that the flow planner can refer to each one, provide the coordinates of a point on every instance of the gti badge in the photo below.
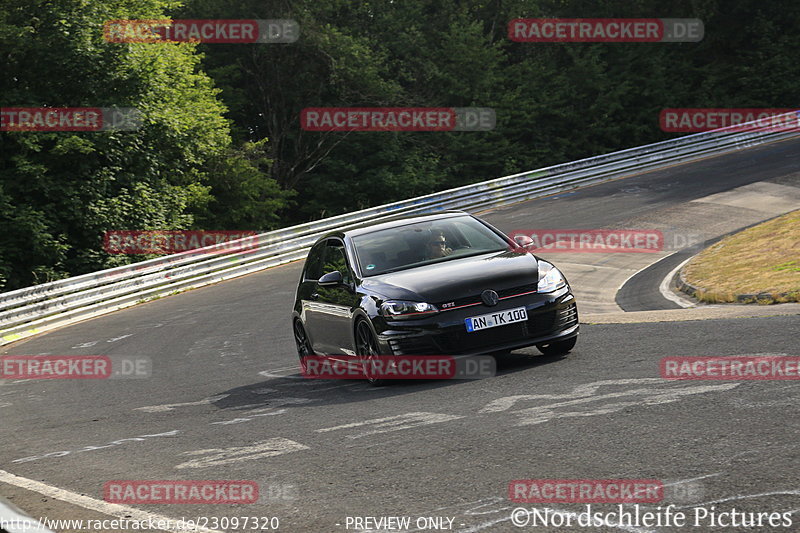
(490, 297)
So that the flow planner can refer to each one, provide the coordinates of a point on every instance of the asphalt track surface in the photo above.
(641, 292)
(225, 401)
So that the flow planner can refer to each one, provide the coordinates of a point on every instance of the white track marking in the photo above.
(260, 450)
(115, 339)
(690, 480)
(667, 293)
(84, 345)
(274, 402)
(646, 396)
(140, 438)
(394, 423)
(280, 402)
(268, 405)
(248, 419)
(274, 373)
(171, 406)
(587, 389)
(231, 421)
(668, 392)
(270, 413)
(111, 509)
(265, 411)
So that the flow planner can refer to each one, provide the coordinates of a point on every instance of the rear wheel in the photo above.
(303, 345)
(557, 347)
(367, 351)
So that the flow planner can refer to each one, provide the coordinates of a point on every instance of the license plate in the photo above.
(499, 318)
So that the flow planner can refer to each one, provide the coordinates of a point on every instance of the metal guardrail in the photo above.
(32, 310)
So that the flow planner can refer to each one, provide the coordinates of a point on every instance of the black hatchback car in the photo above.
(442, 284)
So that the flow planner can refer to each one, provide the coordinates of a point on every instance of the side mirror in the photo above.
(331, 279)
(523, 241)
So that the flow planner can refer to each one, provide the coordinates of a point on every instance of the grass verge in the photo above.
(760, 264)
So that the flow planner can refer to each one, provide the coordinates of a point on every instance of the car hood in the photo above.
(457, 278)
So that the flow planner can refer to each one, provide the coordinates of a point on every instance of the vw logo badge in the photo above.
(490, 297)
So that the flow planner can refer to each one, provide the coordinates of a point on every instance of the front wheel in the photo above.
(367, 351)
(303, 345)
(557, 347)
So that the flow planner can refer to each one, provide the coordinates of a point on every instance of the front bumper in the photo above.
(552, 316)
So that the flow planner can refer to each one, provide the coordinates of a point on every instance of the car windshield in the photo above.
(423, 243)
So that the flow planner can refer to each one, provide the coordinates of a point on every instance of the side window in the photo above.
(313, 268)
(335, 259)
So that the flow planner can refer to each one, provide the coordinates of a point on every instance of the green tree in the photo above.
(244, 196)
(61, 190)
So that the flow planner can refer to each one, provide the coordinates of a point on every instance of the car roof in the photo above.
(402, 220)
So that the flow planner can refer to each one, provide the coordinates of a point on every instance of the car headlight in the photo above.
(550, 278)
(398, 309)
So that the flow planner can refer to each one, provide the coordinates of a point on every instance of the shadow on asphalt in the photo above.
(294, 390)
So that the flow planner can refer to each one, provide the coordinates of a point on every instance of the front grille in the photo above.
(458, 302)
(530, 287)
(502, 293)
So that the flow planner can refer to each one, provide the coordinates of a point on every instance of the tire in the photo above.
(303, 346)
(367, 349)
(558, 347)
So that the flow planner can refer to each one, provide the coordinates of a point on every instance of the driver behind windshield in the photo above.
(437, 246)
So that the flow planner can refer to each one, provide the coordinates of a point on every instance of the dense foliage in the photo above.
(222, 148)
